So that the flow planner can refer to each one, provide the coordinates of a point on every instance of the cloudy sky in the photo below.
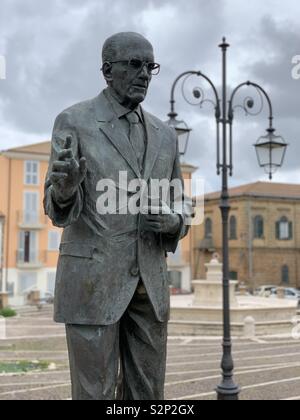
(52, 51)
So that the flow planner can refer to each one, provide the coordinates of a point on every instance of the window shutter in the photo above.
(258, 227)
(53, 240)
(31, 172)
(277, 230)
(208, 228)
(233, 228)
(261, 228)
(290, 230)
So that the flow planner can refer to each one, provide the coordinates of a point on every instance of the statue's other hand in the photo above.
(67, 173)
(161, 223)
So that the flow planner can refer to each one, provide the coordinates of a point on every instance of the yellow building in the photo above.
(264, 232)
(29, 243)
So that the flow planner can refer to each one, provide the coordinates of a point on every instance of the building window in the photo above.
(284, 229)
(27, 282)
(10, 288)
(258, 228)
(208, 228)
(233, 275)
(31, 207)
(285, 277)
(53, 240)
(233, 228)
(31, 172)
(51, 282)
(27, 247)
(175, 279)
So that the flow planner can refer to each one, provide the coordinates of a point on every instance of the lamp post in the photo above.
(270, 151)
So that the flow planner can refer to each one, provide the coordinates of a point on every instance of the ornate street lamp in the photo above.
(270, 152)
(183, 132)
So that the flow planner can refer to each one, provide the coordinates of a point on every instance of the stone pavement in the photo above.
(266, 369)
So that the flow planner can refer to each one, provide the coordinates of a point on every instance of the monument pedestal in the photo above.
(202, 313)
(210, 292)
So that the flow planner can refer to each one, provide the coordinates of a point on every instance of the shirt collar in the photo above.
(119, 110)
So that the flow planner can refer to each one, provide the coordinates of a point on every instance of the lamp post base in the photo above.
(228, 392)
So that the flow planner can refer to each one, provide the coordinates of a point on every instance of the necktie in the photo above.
(137, 136)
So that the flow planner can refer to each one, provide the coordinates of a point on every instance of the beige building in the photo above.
(180, 264)
(264, 232)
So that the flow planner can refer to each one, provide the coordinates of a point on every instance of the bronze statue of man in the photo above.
(111, 286)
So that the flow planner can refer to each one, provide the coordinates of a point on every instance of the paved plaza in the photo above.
(266, 369)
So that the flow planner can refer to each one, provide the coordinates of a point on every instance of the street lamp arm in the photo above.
(250, 103)
(172, 100)
(218, 109)
(247, 106)
(199, 95)
(271, 115)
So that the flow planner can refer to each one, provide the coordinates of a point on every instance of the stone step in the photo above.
(215, 329)
(261, 313)
(25, 310)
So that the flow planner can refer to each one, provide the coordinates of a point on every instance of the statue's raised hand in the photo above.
(67, 173)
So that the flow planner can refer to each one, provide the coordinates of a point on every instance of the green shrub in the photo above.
(22, 366)
(8, 313)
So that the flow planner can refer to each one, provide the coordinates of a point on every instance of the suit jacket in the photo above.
(103, 257)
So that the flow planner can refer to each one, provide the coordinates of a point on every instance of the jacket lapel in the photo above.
(110, 125)
(154, 141)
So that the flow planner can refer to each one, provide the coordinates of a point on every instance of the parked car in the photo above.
(264, 291)
(292, 293)
(289, 293)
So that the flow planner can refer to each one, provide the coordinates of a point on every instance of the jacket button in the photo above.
(135, 272)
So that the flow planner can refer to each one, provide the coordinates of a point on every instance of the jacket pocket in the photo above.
(80, 250)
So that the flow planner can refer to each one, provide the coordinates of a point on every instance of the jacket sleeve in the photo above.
(181, 205)
(62, 213)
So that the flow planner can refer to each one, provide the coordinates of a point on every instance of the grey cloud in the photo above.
(53, 53)
(53, 60)
(281, 42)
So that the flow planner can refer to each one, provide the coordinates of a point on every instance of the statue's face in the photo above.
(128, 80)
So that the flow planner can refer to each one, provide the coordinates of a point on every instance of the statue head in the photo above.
(128, 66)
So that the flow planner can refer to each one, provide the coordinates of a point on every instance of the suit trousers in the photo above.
(124, 361)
